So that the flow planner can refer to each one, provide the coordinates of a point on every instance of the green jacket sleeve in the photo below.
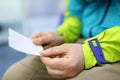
(71, 27)
(110, 44)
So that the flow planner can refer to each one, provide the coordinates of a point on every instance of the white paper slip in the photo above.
(23, 44)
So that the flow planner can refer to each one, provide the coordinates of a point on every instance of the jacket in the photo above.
(90, 19)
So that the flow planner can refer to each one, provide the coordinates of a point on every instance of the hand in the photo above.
(64, 61)
(47, 39)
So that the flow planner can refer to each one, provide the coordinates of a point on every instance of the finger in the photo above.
(46, 46)
(56, 73)
(36, 35)
(40, 41)
(55, 51)
(54, 63)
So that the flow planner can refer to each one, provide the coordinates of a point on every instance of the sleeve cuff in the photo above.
(70, 29)
(110, 43)
(90, 60)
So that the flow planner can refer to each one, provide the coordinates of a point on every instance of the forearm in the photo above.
(110, 43)
(71, 27)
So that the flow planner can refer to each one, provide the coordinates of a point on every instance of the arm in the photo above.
(71, 27)
(110, 43)
(69, 31)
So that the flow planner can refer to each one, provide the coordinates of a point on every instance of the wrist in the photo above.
(60, 39)
(89, 58)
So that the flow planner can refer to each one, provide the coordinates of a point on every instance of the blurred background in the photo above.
(26, 17)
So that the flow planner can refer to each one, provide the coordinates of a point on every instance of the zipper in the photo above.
(102, 19)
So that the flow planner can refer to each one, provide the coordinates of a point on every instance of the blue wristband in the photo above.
(97, 51)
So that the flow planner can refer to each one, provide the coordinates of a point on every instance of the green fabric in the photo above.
(67, 12)
(95, 15)
(70, 29)
(110, 44)
(76, 24)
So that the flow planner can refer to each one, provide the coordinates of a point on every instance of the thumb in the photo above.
(40, 41)
(54, 51)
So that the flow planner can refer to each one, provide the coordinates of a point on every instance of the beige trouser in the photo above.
(31, 68)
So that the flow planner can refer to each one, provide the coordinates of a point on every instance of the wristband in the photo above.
(97, 51)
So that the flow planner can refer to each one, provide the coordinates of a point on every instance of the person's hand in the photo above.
(47, 39)
(64, 61)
